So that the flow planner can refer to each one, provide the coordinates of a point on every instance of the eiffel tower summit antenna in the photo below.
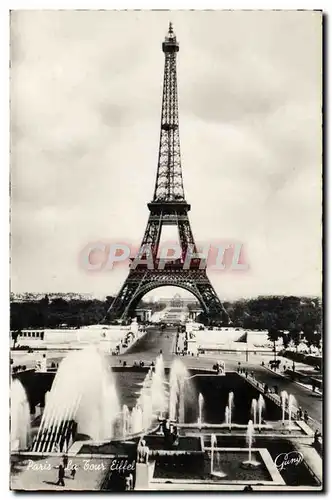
(168, 207)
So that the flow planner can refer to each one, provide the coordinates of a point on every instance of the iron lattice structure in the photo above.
(168, 207)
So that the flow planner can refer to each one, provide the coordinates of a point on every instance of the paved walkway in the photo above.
(310, 456)
(307, 400)
(37, 474)
(305, 386)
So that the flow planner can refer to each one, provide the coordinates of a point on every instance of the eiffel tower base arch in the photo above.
(139, 283)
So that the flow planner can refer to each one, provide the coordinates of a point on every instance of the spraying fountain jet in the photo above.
(230, 408)
(227, 415)
(83, 394)
(20, 417)
(177, 381)
(254, 410)
(291, 405)
(125, 421)
(261, 407)
(250, 463)
(213, 443)
(136, 419)
(200, 409)
(219, 473)
(152, 401)
(284, 397)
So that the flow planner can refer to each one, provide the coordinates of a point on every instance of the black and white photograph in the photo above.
(166, 297)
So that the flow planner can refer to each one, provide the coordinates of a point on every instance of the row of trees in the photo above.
(47, 313)
(282, 313)
(290, 318)
(276, 314)
(296, 336)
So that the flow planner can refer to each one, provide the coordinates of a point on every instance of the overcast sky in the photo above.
(85, 108)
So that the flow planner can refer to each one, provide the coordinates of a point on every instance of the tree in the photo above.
(309, 336)
(45, 301)
(285, 340)
(15, 334)
(295, 337)
(317, 340)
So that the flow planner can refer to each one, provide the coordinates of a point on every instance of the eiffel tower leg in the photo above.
(216, 310)
(119, 308)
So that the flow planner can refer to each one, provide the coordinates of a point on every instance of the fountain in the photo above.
(230, 408)
(152, 400)
(261, 407)
(87, 400)
(284, 397)
(145, 401)
(47, 393)
(227, 415)
(178, 376)
(125, 421)
(291, 404)
(254, 410)
(136, 420)
(158, 392)
(85, 396)
(213, 442)
(250, 439)
(158, 400)
(200, 409)
(219, 473)
(20, 417)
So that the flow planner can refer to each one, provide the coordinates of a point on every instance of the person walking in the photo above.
(317, 435)
(65, 461)
(306, 416)
(61, 475)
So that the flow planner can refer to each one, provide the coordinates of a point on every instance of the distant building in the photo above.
(185, 301)
(194, 312)
(177, 301)
(143, 314)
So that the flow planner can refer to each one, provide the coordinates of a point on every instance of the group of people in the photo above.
(219, 367)
(62, 471)
(244, 371)
(302, 415)
(170, 432)
(139, 363)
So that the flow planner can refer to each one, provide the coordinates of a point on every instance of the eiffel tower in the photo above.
(168, 207)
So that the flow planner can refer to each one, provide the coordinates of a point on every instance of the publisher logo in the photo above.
(284, 460)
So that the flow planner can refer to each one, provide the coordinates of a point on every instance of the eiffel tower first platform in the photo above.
(168, 207)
